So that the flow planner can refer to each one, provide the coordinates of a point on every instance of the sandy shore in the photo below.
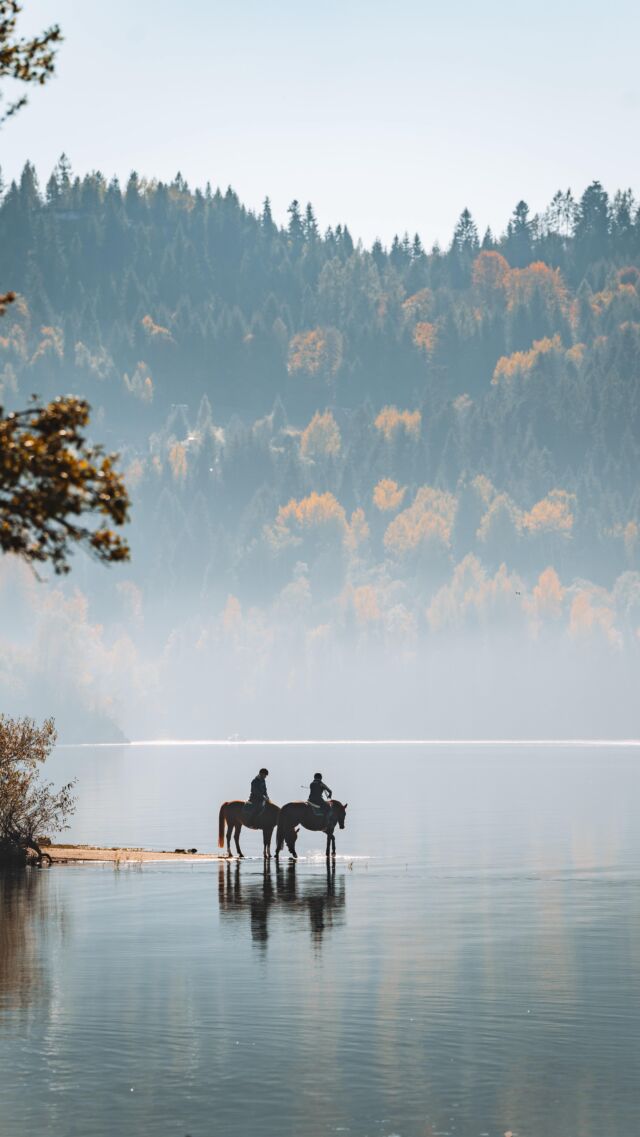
(64, 854)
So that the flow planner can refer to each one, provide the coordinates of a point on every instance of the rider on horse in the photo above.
(259, 796)
(317, 790)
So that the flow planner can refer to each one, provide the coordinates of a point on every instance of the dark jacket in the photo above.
(316, 791)
(258, 789)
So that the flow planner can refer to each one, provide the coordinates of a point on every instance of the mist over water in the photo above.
(227, 670)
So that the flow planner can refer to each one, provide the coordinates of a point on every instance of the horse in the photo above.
(232, 814)
(296, 813)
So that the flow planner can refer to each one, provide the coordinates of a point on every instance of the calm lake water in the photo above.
(471, 967)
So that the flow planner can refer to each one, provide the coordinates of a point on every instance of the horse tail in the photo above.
(281, 829)
(221, 821)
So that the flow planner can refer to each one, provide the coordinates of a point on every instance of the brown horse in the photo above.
(233, 815)
(296, 813)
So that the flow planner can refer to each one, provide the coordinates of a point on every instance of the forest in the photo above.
(373, 490)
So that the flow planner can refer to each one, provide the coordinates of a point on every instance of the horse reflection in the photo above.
(318, 898)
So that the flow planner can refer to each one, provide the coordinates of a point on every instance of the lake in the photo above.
(471, 967)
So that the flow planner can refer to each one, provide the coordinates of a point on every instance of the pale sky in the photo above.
(388, 116)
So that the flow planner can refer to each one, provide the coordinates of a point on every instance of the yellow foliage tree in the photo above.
(538, 281)
(551, 515)
(471, 596)
(388, 495)
(424, 336)
(548, 594)
(319, 512)
(490, 276)
(390, 421)
(318, 351)
(428, 520)
(521, 363)
(321, 438)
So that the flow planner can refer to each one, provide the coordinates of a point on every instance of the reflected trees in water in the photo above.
(318, 900)
(25, 914)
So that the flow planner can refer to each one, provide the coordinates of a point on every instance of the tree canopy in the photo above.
(50, 478)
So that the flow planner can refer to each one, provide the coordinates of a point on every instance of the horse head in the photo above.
(340, 811)
(291, 839)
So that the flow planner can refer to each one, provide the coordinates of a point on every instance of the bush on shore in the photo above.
(29, 806)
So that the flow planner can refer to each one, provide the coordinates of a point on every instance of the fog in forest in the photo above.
(385, 492)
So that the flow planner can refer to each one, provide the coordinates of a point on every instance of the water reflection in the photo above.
(22, 909)
(318, 898)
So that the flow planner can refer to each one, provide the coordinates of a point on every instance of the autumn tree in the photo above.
(489, 276)
(321, 438)
(51, 478)
(29, 807)
(388, 495)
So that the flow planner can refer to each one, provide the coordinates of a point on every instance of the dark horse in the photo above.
(234, 815)
(301, 813)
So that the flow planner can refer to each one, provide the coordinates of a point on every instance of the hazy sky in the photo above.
(386, 115)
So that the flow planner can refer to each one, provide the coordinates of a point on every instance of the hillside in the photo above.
(353, 470)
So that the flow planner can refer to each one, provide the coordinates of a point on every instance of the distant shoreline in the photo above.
(432, 742)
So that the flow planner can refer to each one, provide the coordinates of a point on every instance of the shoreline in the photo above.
(98, 854)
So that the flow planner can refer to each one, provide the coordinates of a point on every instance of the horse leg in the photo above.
(328, 845)
(229, 832)
(266, 842)
(291, 839)
(280, 839)
(236, 835)
(333, 846)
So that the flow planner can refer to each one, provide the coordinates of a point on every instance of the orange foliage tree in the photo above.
(424, 336)
(316, 352)
(490, 275)
(419, 306)
(390, 421)
(428, 521)
(538, 281)
(319, 513)
(388, 495)
(548, 594)
(521, 363)
(474, 597)
(551, 515)
(321, 438)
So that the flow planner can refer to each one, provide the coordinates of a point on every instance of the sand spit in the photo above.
(73, 854)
